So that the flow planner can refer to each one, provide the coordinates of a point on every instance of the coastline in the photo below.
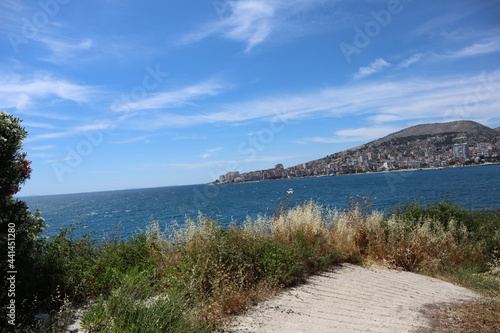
(355, 174)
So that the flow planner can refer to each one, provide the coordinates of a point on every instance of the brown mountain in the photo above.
(462, 126)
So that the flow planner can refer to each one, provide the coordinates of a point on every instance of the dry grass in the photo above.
(476, 317)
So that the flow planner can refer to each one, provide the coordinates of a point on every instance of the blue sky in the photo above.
(128, 94)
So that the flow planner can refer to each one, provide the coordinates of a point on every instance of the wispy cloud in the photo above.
(11, 11)
(363, 134)
(174, 98)
(485, 46)
(37, 125)
(42, 147)
(64, 50)
(131, 140)
(18, 91)
(250, 21)
(441, 24)
(210, 152)
(475, 49)
(376, 66)
(411, 60)
(101, 126)
(246, 21)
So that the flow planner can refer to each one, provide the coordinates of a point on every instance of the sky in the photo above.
(119, 94)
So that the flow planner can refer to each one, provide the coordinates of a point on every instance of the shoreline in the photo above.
(355, 174)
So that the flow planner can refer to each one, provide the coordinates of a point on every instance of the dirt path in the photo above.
(352, 299)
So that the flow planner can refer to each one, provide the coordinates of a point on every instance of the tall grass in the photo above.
(195, 278)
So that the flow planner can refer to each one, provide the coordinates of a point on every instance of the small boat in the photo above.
(290, 191)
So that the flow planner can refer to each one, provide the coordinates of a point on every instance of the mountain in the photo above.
(462, 126)
(421, 146)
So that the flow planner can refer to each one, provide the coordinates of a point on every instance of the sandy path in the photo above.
(352, 299)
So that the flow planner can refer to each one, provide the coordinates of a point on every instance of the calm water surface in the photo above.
(126, 212)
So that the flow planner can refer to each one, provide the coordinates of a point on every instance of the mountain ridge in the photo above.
(465, 126)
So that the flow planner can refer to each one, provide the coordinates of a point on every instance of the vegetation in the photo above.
(19, 229)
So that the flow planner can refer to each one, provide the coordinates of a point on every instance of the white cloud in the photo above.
(11, 11)
(131, 140)
(411, 60)
(173, 98)
(376, 66)
(17, 91)
(210, 152)
(250, 21)
(246, 21)
(384, 118)
(37, 125)
(477, 49)
(486, 46)
(364, 134)
(42, 147)
(101, 126)
(63, 50)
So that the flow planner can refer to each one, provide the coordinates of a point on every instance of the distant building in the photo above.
(461, 151)
(387, 166)
(231, 176)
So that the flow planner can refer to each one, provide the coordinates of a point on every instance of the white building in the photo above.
(461, 151)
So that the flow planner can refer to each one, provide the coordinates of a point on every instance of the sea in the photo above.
(126, 212)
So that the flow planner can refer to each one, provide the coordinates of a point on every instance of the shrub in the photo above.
(114, 259)
(16, 216)
(64, 263)
(482, 225)
(136, 306)
(278, 264)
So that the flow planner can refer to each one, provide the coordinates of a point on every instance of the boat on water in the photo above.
(289, 191)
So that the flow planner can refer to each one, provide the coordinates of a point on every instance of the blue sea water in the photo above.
(123, 213)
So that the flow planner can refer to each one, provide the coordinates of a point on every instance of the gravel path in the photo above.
(352, 299)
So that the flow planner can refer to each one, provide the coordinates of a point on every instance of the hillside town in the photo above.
(415, 152)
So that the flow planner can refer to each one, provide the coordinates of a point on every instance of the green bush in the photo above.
(278, 264)
(17, 220)
(137, 306)
(114, 259)
(62, 268)
(483, 225)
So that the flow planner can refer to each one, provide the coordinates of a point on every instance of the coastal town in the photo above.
(389, 154)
